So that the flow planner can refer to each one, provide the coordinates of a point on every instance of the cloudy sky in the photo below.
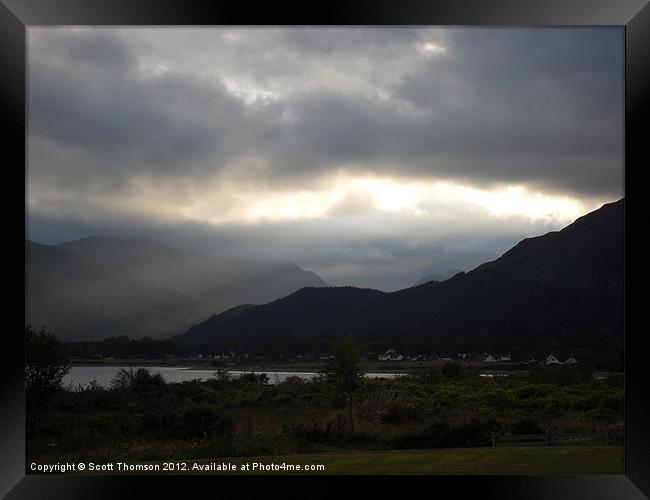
(370, 156)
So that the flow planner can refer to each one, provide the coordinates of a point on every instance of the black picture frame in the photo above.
(17, 15)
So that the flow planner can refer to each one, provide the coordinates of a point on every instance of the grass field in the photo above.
(534, 460)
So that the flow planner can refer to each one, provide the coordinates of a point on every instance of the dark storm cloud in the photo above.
(183, 112)
(532, 106)
(126, 123)
(538, 106)
(546, 105)
(97, 48)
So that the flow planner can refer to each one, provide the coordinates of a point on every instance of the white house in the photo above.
(390, 354)
(489, 359)
(571, 361)
(552, 360)
(505, 357)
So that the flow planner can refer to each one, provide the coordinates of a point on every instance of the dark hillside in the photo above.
(563, 287)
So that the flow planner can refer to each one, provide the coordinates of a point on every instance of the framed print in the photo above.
(372, 239)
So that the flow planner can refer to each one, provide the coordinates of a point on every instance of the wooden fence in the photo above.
(550, 439)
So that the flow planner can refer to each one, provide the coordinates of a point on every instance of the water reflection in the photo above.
(103, 375)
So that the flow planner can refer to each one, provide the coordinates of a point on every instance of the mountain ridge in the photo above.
(564, 284)
(101, 286)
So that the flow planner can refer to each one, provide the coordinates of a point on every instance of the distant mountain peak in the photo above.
(100, 286)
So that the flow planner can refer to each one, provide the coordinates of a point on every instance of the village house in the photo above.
(390, 355)
(552, 360)
(488, 358)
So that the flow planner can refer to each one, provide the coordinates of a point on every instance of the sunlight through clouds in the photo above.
(430, 48)
(341, 149)
(221, 202)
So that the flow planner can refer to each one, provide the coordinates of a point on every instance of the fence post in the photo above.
(494, 440)
(548, 438)
(606, 438)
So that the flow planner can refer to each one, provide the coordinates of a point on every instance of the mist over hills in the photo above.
(97, 287)
(562, 290)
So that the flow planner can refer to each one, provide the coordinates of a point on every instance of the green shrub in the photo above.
(526, 426)
(499, 399)
(601, 415)
(611, 402)
(140, 380)
(398, 411)
(203, 421)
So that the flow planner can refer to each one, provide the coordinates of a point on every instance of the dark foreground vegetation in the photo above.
(140, 417)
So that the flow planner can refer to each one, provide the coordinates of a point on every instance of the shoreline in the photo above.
(292, 366)
(239, 368)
